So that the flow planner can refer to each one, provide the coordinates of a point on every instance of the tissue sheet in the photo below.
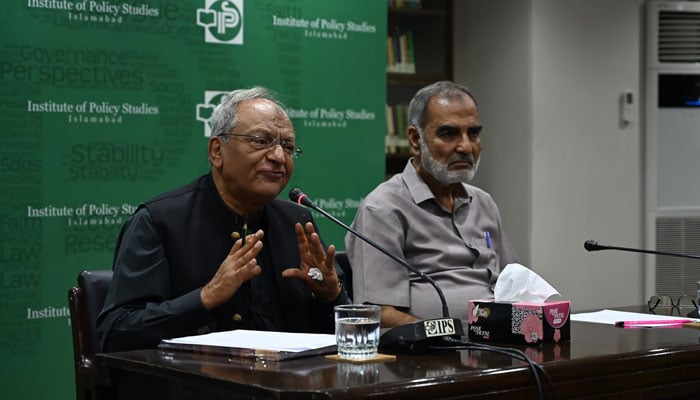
(519, 283)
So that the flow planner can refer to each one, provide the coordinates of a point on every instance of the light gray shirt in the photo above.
(403, 216)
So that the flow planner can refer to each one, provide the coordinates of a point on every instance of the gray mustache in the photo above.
(462, 157)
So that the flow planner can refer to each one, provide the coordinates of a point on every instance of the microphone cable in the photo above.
(517, 354)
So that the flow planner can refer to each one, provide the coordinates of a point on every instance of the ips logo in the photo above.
(222, 21)
(211, 100)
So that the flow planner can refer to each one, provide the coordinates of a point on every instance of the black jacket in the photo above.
(174, 244)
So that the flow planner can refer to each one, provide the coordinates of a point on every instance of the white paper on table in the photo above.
(261, 340)
(609, 317)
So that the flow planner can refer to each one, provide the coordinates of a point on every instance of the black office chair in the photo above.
(341, 258)
(85, 301)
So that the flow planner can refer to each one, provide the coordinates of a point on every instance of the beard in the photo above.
(440, 171)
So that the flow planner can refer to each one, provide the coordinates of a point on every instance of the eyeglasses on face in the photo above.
(268, 142)
(684, 301)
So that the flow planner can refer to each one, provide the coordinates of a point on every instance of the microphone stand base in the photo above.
(422, 336)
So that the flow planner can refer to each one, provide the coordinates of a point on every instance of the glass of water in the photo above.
(357, 331)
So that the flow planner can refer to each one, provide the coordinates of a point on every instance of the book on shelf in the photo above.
(404, 3)
(391, 138)
(400, 115)
(410, 53)
(412, 3)
(258, 345)
(390, 56)
(395, 65)
(400, 52)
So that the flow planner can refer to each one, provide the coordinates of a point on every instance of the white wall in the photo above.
(496, 65)
(548, 75)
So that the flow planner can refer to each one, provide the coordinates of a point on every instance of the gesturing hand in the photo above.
(238, 267)
(313, 255)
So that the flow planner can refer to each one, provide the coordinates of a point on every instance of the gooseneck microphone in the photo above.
(419, 336)
(592, 245)
(297, 196)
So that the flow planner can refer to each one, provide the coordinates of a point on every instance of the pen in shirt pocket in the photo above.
(487, 237)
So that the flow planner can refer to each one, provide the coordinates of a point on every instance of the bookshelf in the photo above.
(419, 52)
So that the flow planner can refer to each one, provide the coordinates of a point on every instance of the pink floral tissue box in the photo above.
(519, 322)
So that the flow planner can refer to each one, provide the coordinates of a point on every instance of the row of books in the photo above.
(396, 129)
(400, 57)
(404, 3)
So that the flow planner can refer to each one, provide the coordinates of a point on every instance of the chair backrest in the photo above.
(85, 302)
(341, 258)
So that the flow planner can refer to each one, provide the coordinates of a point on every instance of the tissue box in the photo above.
(519, 322)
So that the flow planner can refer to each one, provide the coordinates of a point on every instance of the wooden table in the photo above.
(600, 361)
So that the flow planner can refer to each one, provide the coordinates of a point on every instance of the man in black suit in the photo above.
(220, 253)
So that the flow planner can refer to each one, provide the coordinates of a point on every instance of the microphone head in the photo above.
(294, 194)
(591, 245)
(297, 196)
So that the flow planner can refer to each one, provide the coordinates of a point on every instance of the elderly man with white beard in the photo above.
(430, 216)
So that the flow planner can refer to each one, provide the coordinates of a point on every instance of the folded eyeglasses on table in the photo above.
(656, 303)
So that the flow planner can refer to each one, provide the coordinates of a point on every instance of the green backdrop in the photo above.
(106, 103)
